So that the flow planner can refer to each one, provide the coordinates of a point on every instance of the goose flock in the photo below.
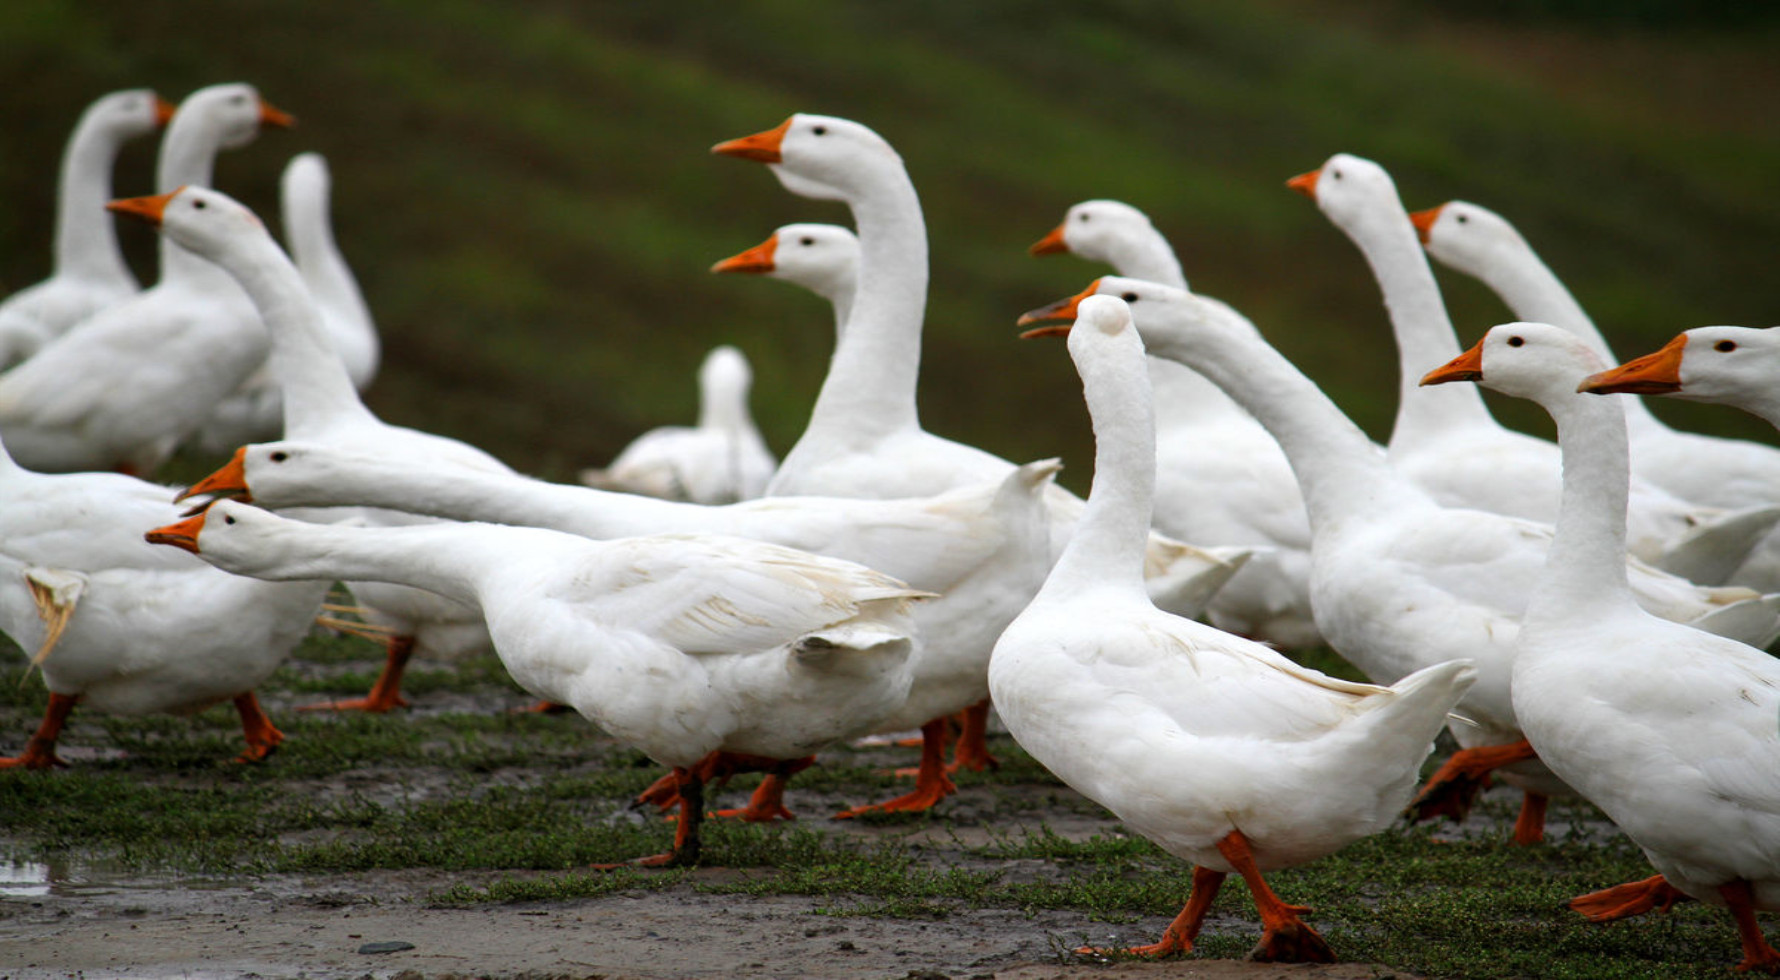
(1586, 618)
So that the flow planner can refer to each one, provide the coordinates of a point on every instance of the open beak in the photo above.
(1652, 374)
(1063, 309)
(1305, 183)
(181, 535)
(229, 481)
(1424, 222)
(144, 209)
(763, 147)
(757, 260)
(1465, 367)
(1051, 244)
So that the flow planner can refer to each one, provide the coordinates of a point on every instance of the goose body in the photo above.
(131, 381)
(678, 645)
(1668, 730)
(1735, 474)
(122, 627)
(1399, 581)
(1219, 749)
(89, 272)
(721, 460)
(1445, 439)
(1220, 477)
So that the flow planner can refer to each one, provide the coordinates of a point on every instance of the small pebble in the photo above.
(391, 947)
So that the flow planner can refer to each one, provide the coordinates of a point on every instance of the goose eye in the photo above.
(200, 205)
(1129, 297)
(808, 241)
(1725, 345)
(228, 520)
(1462, 219)
(279, 457)
(1335, 174)
(238, 100)
(820, 130)
(1515, 341)
(1083, 217)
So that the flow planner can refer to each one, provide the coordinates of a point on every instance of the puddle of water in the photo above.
(23, 879)
(68, 878)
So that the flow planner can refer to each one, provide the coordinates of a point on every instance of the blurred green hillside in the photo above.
(525, 190)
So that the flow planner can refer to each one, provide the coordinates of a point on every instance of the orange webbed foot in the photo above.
(29, 759)
(371, 705)
(1292, 942)
(1629, 899)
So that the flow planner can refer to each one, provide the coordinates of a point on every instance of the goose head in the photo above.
(825, 158)
(231, 535)
(725, 375)
(1347, 188)
(233, 112)
(289, 473)
(204, 221)
(1096, 230)
(1466, 236)
(130, 113)
(1170, 320)
(1536, 361)
(1724, 365)
(821, 258)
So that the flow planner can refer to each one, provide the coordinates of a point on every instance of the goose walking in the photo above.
(1219, 749)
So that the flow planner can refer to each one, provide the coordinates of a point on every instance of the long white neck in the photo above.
(1145, 254)
(1425, 336)
(444, 558)
(1586, 565)
(188, 157)
(86, 238)
(870, 388)
(1107, 547)
(310, 234)
(318, 394)
(1341, 472)
(1535, 293)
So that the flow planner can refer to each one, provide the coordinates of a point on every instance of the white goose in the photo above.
(1219, 749)
(1398, 580)
(823, 259)
(319, 402)
(1444, 438)
(1668, 730)
(721, 460)
(253, 411)
(128, 383)
(1735, 366)
(678, 645)
(1731, 473)
(122, 627)
(984, 546)
(89, 271)
(1220, 478)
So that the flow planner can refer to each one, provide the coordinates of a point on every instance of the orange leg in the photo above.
(931, 782)
(1454, 786)
(1529, 827)
(1179, 936)
(946, 732)
(386, 693)
(768, 802)
(1285, 938)
(1627, 900)
(690, 789)
(1757, 954)
(972, 750)
(40, 752)
(262, 738)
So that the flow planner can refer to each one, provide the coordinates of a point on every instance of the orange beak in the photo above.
(146, 209)
(1305, 183)
(181, 535)
(164, 111)
(763, 147)
(757, 260)
(1063, 309)
(1051, 244)
(271, 115)
(1424, 222)
(1465, 367)
(1652, 374)
(230, 481)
